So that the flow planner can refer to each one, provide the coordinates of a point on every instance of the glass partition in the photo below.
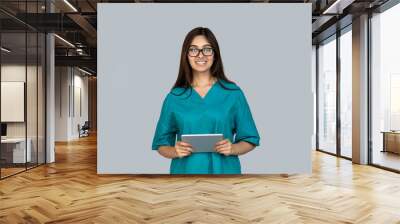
(22, 77)
(14, 153)
(32, 95)
(41, 91)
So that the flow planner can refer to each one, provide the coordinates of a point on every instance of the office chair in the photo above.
(84, 130)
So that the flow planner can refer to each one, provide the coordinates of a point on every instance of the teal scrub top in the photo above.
(220, 111)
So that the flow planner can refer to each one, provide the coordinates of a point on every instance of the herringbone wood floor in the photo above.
(70, 191)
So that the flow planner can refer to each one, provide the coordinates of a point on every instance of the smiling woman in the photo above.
(204, 101)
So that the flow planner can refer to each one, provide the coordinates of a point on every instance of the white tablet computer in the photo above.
(202, 142)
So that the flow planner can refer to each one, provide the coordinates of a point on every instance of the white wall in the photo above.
(61, 103)
(17, 72)
(80, 109)
(70, 83)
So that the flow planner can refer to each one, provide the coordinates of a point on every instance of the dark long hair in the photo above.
(185, 74)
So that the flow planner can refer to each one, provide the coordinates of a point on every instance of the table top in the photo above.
(13, 140)
(391, 132)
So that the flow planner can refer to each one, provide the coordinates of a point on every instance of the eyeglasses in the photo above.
(194, 52)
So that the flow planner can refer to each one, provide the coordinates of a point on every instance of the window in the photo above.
(385, 88)
(327, 95)
(346, 93)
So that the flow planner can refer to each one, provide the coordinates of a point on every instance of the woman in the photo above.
(204, 101)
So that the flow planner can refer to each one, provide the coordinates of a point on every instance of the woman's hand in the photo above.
(182, 149)
(224, 147)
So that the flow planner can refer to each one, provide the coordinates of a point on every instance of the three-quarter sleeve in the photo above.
(245, 126)
(165, 133)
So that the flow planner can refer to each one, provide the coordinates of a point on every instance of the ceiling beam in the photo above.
(83, 61)
(86, 26)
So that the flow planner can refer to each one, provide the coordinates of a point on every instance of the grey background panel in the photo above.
(264, 50)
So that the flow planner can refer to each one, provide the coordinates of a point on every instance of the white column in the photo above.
(50, 79)
(360, 90)
(50, 91)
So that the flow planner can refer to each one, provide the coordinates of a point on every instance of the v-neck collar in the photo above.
(207, 93)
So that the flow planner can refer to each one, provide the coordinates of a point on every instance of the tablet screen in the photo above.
(202, 142)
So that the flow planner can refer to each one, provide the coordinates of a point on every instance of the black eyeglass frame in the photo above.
(200, 50)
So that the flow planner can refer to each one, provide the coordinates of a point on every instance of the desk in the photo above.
(391, 141)
(13, 150)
